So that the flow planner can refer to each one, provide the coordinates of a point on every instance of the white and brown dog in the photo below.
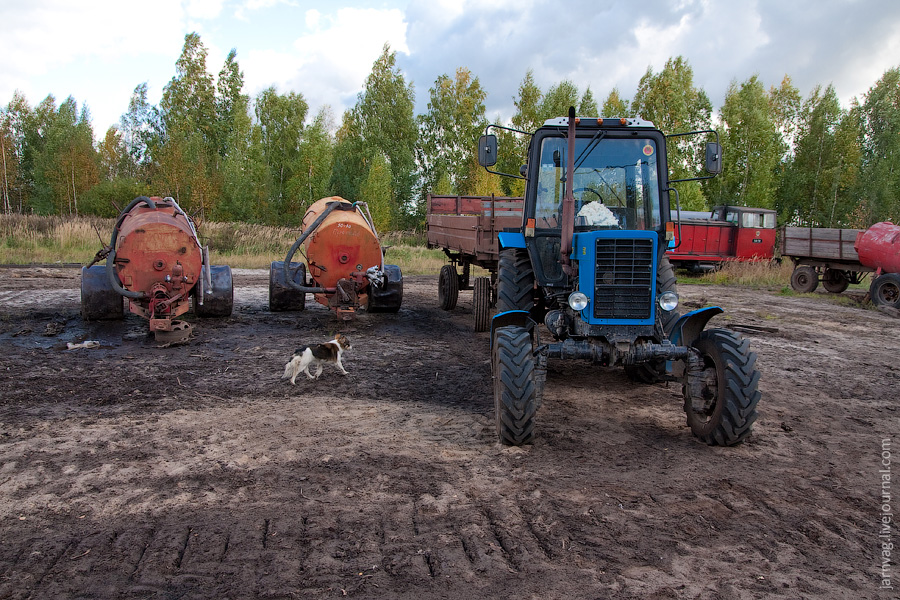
(308, 356)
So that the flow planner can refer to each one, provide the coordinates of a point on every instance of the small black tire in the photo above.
(283, 297)
(804, 279)
(885, 290)
(481, 297)
(219, 302)
(835, 281)
(515, 280)
(515, 390)
(448, 287)
(730, 402)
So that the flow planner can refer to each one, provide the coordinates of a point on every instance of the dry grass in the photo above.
(27, 239)
(751, 274)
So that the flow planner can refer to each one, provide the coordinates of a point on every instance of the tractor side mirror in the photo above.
(487, 150)
(714, 158)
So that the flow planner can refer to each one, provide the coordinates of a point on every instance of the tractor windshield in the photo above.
(615, 183)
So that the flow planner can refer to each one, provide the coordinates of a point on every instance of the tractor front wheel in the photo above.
(515, 391)
(720, 401)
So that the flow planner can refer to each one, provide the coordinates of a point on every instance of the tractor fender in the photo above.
(513, 317)
(689, 326)
(511, 239)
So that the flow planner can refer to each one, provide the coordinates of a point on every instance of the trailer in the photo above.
(704, 240)
(839, 257)
(466, 228)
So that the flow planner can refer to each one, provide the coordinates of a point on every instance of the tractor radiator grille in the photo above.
(624, 279)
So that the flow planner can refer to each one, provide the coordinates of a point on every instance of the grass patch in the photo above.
(750, 274)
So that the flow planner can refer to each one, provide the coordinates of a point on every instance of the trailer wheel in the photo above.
(885, 290)
(482, 301)
(220, 302)
(804, 279)
(665, 282)
(281, 295)
(835, 281)
(515, 398)
(721, 402)
(448, 287)
(99, 301)
(515, 282)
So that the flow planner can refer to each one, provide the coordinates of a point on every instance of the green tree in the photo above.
(313, 176)
(557, 100)
(187, 155)
(753, 148)
(513, 146)
(588, 106)
(280, 119)
(141, 130)
(377, 193)
(14, 123)
(671, 101)
(818, 177)
(614, 105)
(450, 131)
(65, 166)
(351, 158)
(385, 115)
(879, 124)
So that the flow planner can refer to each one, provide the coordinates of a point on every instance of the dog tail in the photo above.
(288, 371)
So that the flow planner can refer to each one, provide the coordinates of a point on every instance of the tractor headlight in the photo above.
(668, 301)
(578, 301)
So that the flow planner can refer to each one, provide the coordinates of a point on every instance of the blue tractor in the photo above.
(589, 263)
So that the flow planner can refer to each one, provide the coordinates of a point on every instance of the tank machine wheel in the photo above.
(804, 279)
(482, 301)
(220, 302)
(448, 287)
(721, 396)
(515, 390)
(388, 297)
(835, 281)
(885, 290)
(99, 301)
(282, 297)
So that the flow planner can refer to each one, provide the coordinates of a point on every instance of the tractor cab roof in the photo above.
(604, 122)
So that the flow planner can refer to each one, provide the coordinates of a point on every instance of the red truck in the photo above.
(706, 239)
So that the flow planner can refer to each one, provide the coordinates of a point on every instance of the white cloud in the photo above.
(330, 62)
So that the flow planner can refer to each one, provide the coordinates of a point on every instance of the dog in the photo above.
(308, 356)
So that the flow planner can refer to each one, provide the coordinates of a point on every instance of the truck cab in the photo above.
(589, 264)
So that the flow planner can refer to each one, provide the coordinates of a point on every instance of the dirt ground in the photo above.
(193, 471)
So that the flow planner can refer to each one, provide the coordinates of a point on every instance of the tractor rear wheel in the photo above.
(281, 295)
(835, 281)
(515, 397)
(721, 403)
(220, 302)
(448, 287)
(482, 301)
(804, 279)
(885, 290)
(99, 301)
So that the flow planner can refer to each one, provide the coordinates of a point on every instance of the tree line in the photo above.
(226, 157)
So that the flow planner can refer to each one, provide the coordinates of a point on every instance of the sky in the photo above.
(98, 51)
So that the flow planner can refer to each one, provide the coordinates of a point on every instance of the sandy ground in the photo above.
(193, 471)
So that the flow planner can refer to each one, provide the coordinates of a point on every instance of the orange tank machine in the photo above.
(346, 269)
(156, 262)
